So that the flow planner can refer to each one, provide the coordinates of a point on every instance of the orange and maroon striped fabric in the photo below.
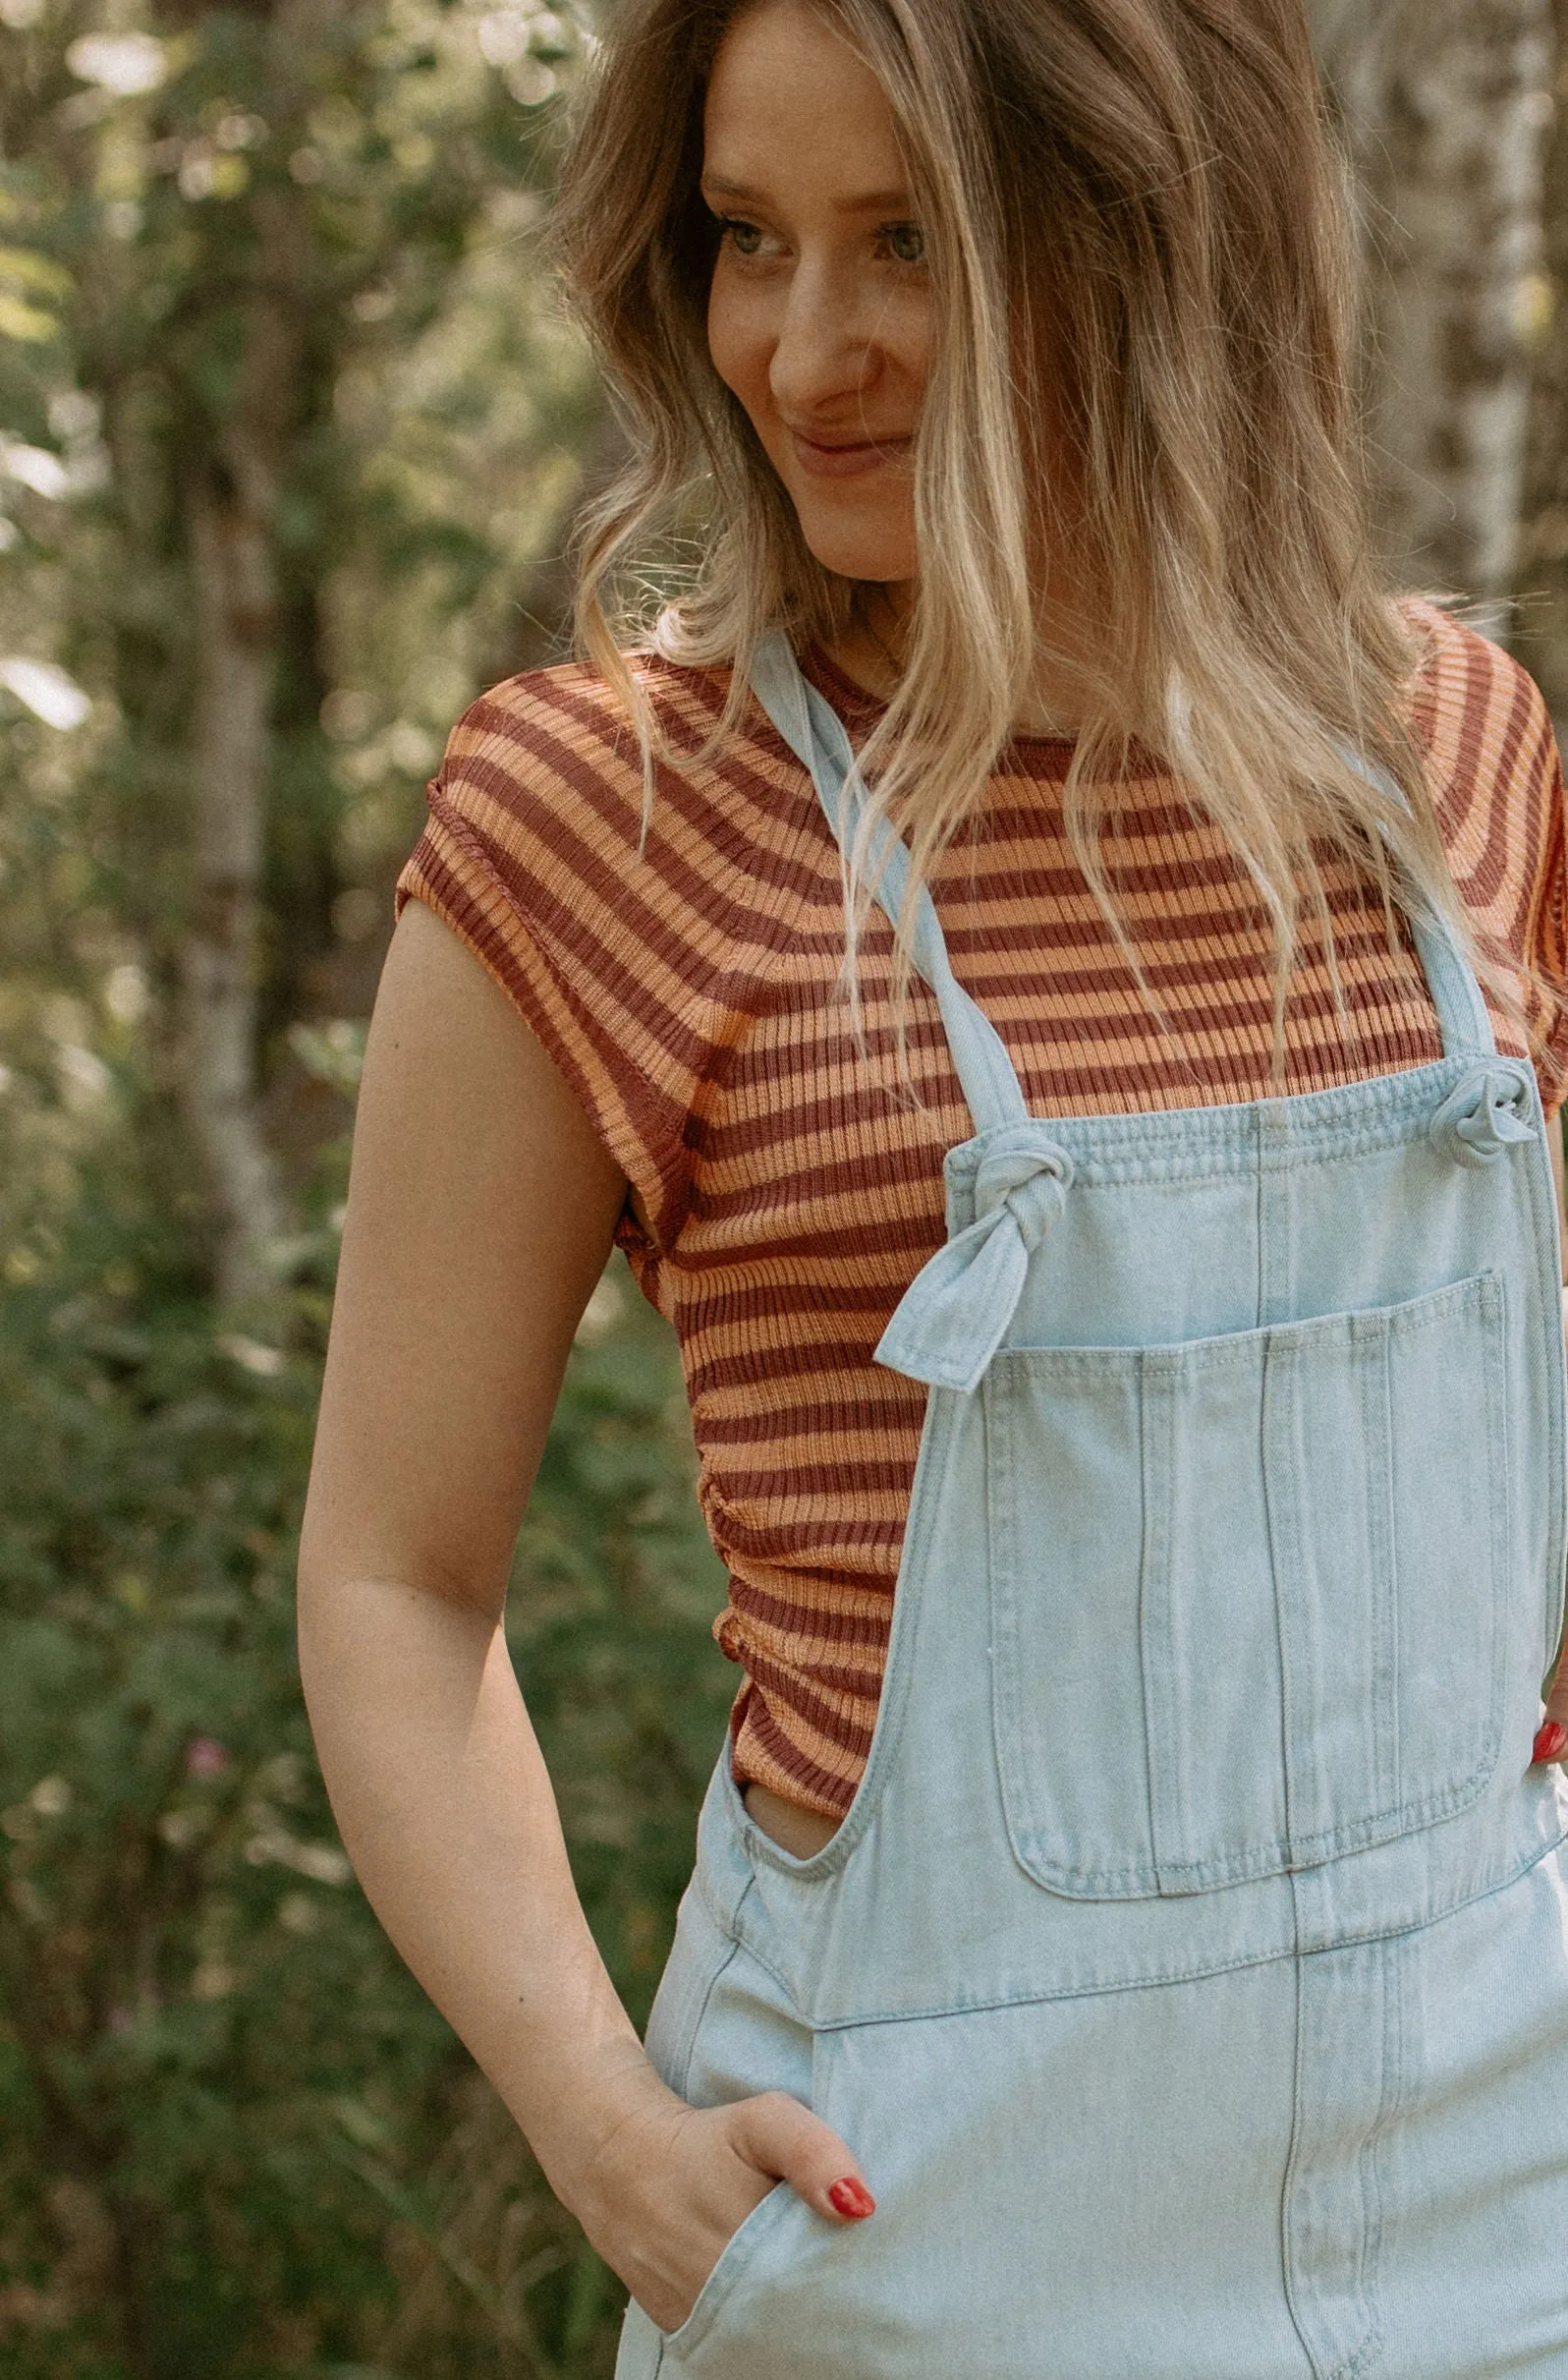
(791, 1189)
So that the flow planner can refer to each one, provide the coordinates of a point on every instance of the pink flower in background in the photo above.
(204, 1756)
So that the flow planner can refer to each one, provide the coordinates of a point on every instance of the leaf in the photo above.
(28, 270)
(407, 2206)
(27, 323)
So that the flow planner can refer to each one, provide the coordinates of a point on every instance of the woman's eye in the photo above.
(745, 238)
(906, 242)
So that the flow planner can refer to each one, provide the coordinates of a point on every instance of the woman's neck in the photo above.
(870, 653)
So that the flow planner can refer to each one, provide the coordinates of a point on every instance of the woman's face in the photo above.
(820, 310)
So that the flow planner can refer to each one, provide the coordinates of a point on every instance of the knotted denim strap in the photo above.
(1492, 1110)
(814, 733)
(955, 1313)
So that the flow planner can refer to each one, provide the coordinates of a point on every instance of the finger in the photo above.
(782, 2138)
(1551, 1736)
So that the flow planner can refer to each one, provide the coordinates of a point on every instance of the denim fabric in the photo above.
(1190, 1971)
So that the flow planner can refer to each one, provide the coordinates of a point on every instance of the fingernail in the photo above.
(852, 2198)
(1551, 1739)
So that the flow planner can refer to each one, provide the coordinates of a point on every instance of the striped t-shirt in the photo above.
(685, 987)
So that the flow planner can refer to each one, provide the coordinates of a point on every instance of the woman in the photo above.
(1137, 1945)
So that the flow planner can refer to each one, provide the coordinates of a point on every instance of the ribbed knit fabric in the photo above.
(791, 1188)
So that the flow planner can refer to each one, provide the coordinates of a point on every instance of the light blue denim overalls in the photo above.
(1190, 1971)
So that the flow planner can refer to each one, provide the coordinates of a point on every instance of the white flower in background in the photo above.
(526, 45)
(126, 994)
(250, 1355)
(74, 413)
(83, 1077)
(323, 1862)
(46, 690)
(36, 468)
(412, 748)
(126, 64)
(77, 420)
(504, 37)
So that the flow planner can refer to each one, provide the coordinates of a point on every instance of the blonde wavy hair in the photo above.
(1155, 184)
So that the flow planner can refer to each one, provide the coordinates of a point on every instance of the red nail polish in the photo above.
(1551, 1739)
(852, 2198)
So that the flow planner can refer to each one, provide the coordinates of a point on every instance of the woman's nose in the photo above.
(825, 349)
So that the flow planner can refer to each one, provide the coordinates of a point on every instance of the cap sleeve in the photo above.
(532, 854)
(1497, 783)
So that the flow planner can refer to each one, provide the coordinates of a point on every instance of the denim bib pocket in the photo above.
(1247, 1592)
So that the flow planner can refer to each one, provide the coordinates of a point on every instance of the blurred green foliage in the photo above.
(286, 257)
(235, 2138)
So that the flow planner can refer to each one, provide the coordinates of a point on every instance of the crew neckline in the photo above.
(847, 693)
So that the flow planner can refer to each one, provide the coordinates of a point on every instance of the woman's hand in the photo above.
(668, 2185)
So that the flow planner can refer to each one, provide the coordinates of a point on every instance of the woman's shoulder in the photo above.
(552, 758)
(1481, 721)
(564, 732)
(1497, 786)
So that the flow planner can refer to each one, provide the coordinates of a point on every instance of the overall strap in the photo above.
(814, 733)
(1462, 1011)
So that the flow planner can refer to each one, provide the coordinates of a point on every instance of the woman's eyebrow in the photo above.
(865, 203)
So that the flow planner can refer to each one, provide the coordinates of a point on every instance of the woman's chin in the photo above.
(860, 557)
(848, 539)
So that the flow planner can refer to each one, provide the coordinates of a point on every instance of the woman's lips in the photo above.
(835, 461)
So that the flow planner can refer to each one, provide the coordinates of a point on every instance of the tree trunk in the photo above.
(230, 504)
(1447, 104)
(1540, 639)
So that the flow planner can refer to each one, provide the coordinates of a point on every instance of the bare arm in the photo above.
(480, 1213)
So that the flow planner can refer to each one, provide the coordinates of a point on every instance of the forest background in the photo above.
(290, 435)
